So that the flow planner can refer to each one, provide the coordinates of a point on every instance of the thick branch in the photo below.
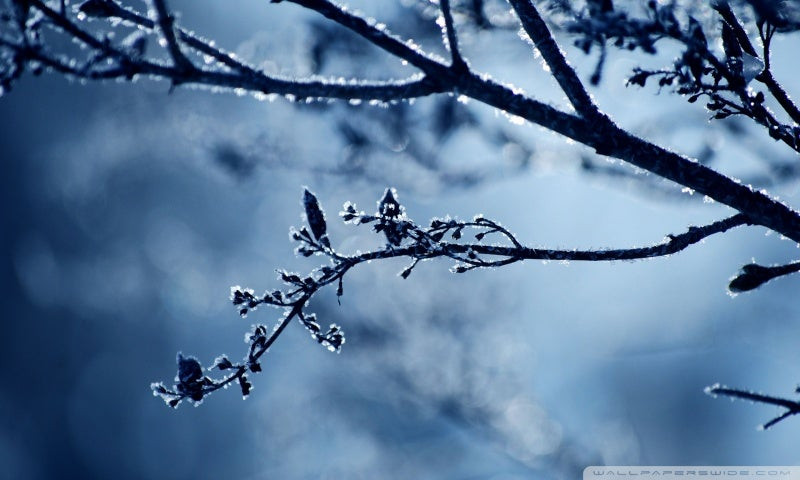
(597, 132)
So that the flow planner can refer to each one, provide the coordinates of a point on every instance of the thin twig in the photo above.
(562, 71)
(166, 23)
(380, 37)
(458, 63)
(599, 132)
(405, 239)
(766, 77)
(792, 407)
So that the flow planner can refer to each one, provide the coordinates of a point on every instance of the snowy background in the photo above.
(128, 212)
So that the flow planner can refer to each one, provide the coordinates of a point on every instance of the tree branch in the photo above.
(380, 37)
(243, 76)
(405, 238)
(597, 132)
(753, 275)
(166, 25)
(792, 407)
(724, 9)
(561, 70)
(449, 30)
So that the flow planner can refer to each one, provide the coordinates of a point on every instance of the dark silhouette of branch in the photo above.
(602, 134)
(753, 275)
(378, 36)
(698, 72)
(562, 71)
(598, 132)
(449, 31)
(165, 24)
(766, 77)
(442, 238)
(244, 77)
(792, 407)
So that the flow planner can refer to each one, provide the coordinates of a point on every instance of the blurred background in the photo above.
(129, 211)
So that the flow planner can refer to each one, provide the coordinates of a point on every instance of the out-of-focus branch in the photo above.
(562, 71)
(698, 72)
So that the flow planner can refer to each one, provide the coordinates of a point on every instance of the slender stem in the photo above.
(458, 62)
(562, 71)
(766, 77)
(166, 25)
(672, 244)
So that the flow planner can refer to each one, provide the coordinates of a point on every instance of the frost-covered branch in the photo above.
(753, 275)
(792, 407)
(375, 33)
(403, 238)
(451, 39)
(726, 81)
(766, 32)
(566, 77)
(167, 31)
(597, 132)
(113, 40)
(126, 61)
